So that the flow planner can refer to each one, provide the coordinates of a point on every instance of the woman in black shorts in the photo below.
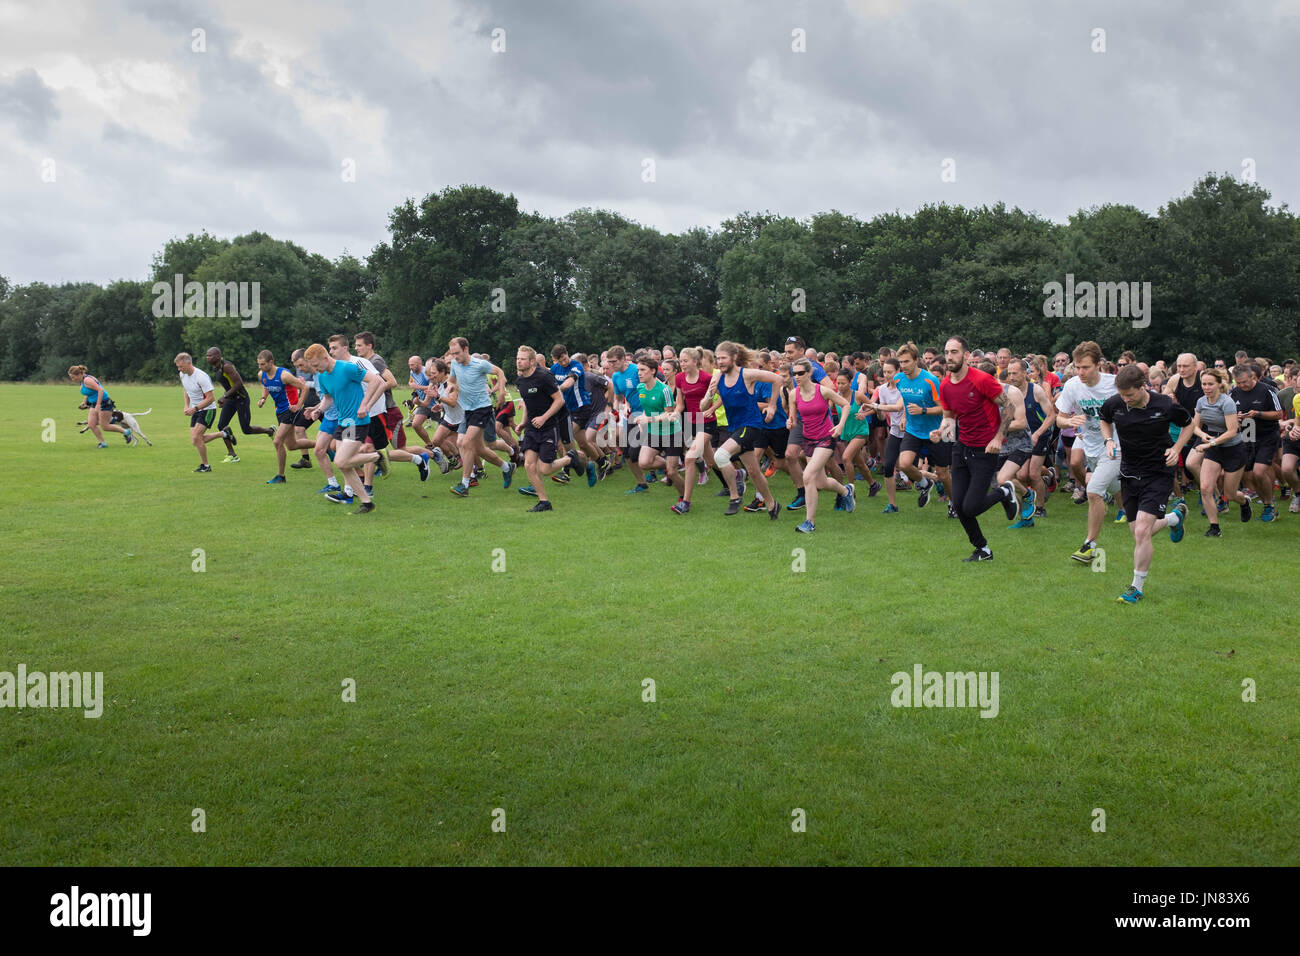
(1221, 452)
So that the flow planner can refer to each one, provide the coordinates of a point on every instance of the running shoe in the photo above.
(1085, 554)
(277, 480)
(637, 489)
(769, 471)
(105, 445)
(473, 481)
(923, 493)
(508, 472)
(1080, 497)
(850, 500)
(370, 489)
(724, 493)
(807, 527)
(1295, 505)
(798, 503)
(1223, 505)
(202, 469)
(1177, 531)
(952, 512)
(1027, 509)
(1246, 511)
(301, 463)
(528, 490)
(422, 463)
(593, 475)
(775, 512)
(1040, 512)
(682, 507)
(365, 508)
(1214, 532)
(703, 477)
(542, 506)
(741, 475)
(460, 490)
(1049, 480)
(979, 554)
(651, 477)
(440, 460)
(339, 498)
(230, 459)
(1270, 514)
(126, 434)
(1009, 503)
(890, 510)
(839, 503)
(327, 489)
(560, 478)
(874, 489)
(1022, 523)
(1131, 595)
(733, 507)
(381, 466)
(1120, 517)
(758, 504)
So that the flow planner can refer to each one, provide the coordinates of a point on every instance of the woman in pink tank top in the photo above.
(812, 403)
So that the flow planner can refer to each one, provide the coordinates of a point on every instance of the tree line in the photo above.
(1222, 265)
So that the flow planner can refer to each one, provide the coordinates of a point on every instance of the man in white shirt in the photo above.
(200, 405)
(1079, 405)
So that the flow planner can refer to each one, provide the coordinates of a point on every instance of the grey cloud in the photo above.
(28, 103)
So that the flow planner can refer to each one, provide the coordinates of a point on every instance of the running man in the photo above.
(283, 386)
(199, 406)
(233, 401)
(1142, 420)
(920, 391)
(100, 414)
(1080, 404)
(1261, 413)
(627, 381)
(351, 390)
(976, 412)
(543, 400)
(307, 398)
(470, 375)
(387, 413)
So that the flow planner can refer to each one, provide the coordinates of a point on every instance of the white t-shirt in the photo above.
(888, 395)
(451, 414)
(1077, 397)
(381, 403)
(196, 385)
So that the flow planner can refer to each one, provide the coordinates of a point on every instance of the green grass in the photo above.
(522, 690)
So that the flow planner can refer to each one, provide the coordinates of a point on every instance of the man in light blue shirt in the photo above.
(471, 376)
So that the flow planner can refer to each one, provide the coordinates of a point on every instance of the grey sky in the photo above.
(151, 140)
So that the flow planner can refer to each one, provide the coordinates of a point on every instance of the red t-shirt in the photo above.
(691, 394)
(971, 400)
(1053, 382)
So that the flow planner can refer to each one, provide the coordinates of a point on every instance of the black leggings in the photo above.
(973, 471)
(236, 405)
(893, 444)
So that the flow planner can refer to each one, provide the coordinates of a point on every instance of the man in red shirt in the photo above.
(976, 412)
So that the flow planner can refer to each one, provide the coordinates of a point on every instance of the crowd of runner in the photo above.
(973, 429)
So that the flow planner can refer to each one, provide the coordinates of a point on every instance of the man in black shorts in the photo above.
(235, 400)
(1260, 412)
(1146, 474)
(542, 400)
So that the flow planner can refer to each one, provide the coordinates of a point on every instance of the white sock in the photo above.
(347, 490)
(1139, 579)
(333, 482)
(1172, 520)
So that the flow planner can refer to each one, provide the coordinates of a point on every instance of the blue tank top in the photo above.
(275, 387)
(762, 394)
(742, 408)
(1033, 412)
(91, 395)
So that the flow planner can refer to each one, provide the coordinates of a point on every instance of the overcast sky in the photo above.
(150, 138)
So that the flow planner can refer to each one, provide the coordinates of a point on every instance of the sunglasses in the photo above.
(803, 372)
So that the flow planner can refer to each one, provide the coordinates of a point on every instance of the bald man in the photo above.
(1184, 387)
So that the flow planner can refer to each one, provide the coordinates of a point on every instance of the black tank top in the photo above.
(1188, 397)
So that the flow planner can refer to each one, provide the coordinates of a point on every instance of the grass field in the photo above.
(522, 690)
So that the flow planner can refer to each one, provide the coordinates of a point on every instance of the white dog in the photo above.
(127, 419)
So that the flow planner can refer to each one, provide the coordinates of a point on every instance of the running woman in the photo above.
(735, 386)
(662, 426)
(542, 399)
(470, 375)
(976, 412)
(1040, 418)
(856, 428)
(100, 414)
(1221, 454)
(888, 400)
(1080, 404)
(351, 390)
(234, 400)
(812, 406)
(1142, 420)
(446, 406)
(199, 406)
(283, 386)
(627, 380)
(419, 384)
(692, 386)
